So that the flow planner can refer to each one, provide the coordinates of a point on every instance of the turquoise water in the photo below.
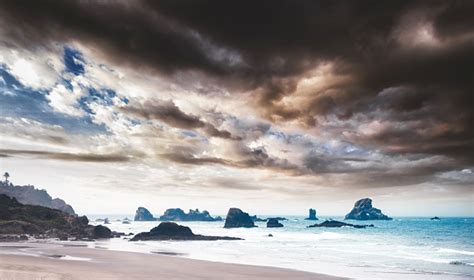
(405, 248)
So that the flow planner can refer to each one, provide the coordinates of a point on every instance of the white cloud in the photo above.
(39, 69)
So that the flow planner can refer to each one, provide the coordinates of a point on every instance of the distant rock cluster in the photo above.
(363, 211)
(176, 214)
(32, 196)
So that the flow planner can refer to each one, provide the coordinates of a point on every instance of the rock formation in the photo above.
(273, 223)
(30, 195)
(435, 218)
(363, 211)
(257, 219)
(173, 231)
(238, 218)
(39, 221)
(143, 215)
(176, 214)
(332, 223)
(312, 215)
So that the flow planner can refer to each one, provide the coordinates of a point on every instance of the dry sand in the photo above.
(43, 261)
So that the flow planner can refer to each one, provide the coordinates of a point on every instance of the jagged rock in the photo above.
(43, 222)
(256, 219)
(177, 214)
(273, 223)
(173, 231)
(106, 221)
(238, 218)
(142, 214)
(332, 223)
(31, 196)
(363, 210)
(312, 215)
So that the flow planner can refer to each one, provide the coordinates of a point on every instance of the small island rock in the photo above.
(273, 223)
(312, 215)
(363, 211)
(143, 215)
(237, 218)
(332, 223)
(173, 231)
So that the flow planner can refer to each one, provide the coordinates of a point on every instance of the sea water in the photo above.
(404, 248)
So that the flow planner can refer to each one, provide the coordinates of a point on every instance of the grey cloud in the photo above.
(85, 157)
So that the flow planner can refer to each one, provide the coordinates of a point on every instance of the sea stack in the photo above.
(143, 215)
(312, 215)
(237, 218)
(273, 223)
(363, 210)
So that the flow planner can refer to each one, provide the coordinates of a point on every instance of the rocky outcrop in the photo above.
(32, 196)
(176, 214)
(43, 222)
(143, 215)
(312, 215)
(273, 223)
(257, 219)
(237, 218)
(173, 231)
(436, 218)
(363, 211)
(332, 224)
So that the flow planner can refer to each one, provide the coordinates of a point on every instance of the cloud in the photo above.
(169, 113)
(359, 93)
(81, 157)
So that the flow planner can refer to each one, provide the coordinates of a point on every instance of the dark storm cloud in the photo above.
(169, 113)
(67, 156)
(408, 65)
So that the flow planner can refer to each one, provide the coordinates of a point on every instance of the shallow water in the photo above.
(408, 248)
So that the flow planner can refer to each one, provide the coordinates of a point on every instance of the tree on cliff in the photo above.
(6, 175)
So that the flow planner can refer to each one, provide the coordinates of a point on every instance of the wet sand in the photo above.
(57, 262)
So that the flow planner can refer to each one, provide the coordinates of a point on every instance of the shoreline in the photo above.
(49, 261)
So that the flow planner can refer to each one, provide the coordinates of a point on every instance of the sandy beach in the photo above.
(31, 261)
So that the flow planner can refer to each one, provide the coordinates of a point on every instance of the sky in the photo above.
(270, 106)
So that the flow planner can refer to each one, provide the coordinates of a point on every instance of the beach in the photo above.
(52, 261)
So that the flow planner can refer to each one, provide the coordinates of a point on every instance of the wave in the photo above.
(453, 251)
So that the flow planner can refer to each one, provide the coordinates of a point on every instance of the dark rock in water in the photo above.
(363, 210)
(98, 232)
(436, 218)
(270, 235)
(177, 214)
(273, 223)
(312, 215)
(237, 218)
(32, 196)
(332, 223)
(143, 215)
(125, 222)
(43, 222)
(106, 221)
(173, 231)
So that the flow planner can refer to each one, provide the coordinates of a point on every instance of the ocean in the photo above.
(404, 248)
